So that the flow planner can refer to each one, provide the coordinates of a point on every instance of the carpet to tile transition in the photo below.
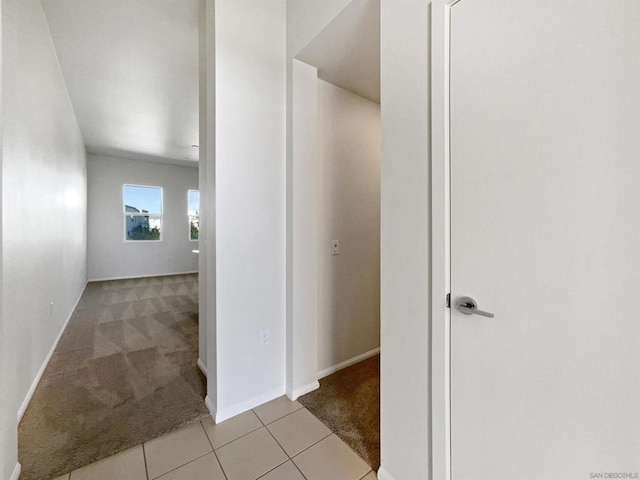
(348, 402)
(124, 372)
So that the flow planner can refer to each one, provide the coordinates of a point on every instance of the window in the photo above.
(193, 199)
(142, 213)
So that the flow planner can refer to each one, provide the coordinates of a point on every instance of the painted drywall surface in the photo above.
(250, 56)
(43, 207)
(405, 239)
(3, 386)
(348, 211)
(206, 244)
(207, 177)
(302, 343)
(347, 51)
(109, 256)
(202, 181)
(304, 21)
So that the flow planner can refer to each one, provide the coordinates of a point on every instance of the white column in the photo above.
(302, 341)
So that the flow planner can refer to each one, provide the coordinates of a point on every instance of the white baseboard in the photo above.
(16, 472)
(210, 406)
(224, 414)
(298, 392)
(384, 475)
(202, 367)
(347, 363)
(43, 367)
(133, 277)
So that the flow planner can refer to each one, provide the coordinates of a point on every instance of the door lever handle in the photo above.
(468, 306)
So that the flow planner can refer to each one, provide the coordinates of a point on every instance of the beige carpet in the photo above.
(348, 402)
(124, 372)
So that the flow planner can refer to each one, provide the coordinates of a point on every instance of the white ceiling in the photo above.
(347, 51)
(131, 68)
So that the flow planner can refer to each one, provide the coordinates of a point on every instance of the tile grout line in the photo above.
(254, 412)
(305, 449)
(231, 441)
(277, 466)
(183, 465)
(280, 418)
(323, 438)
(290, 458)
(370, 470)
(314, 444)
(206, 434)
(236, 439)
(249, 433)
(331, 432)
(224, 474)
(298, 468)
(214, 450)
(144, 456)
(190, 461)
(263, 425)
(278, 443)
(281, 447)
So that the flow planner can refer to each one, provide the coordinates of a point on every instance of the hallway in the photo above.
(124, 372)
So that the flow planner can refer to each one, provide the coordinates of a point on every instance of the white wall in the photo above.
(250, 203)
(206, 180)
(250, 217)
(406, 240)
(109, 256)
(302, 235)
(43, 208)
(5, 460)
(348, 211)
(304, 21)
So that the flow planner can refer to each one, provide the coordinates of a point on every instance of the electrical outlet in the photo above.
(335, 247)
(264, 337)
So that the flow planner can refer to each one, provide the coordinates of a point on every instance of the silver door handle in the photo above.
(468, 306)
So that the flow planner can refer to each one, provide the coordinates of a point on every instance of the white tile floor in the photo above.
(280, 440)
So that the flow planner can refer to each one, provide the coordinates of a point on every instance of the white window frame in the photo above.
(189, 216)
(133, 214)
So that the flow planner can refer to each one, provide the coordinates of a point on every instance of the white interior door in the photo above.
(545, 234)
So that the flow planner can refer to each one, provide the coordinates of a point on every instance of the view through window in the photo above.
(142, 212)
(194, 214)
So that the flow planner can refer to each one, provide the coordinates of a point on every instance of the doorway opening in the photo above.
(336, 223)
(123, 369)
